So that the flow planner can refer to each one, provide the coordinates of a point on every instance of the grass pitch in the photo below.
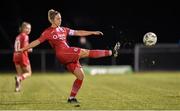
(142, 91)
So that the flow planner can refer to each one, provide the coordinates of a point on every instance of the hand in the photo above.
(98, 33)
(19, 50)
(30, 50)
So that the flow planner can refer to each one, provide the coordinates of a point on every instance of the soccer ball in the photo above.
(150, 39)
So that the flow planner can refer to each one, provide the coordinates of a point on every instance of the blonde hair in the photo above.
(51, 14)
(23, 25)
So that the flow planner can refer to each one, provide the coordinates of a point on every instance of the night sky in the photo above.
(124, 21)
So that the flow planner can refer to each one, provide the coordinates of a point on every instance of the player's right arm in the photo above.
(31, 45)
(36, 42)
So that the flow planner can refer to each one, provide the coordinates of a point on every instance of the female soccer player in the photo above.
(21, 60)
(69, 56)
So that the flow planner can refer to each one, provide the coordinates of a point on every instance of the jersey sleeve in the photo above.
(17, 44)
(43, 37)
(25, 40)
(70, 31)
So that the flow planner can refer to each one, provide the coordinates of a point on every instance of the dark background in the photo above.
(125, 21)
(120, 20)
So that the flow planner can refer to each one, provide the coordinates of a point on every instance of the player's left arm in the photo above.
(86, 33)
(83, 32)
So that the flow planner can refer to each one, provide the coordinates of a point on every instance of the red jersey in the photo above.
(21, 41)
(57, 37)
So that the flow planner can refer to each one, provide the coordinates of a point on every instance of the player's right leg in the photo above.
(17, 79)
(116, 49)
(100, 53)
(94, 53)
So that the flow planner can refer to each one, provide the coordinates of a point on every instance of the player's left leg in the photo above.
(26, 67)
(27, 72)
(17, 80)
(24, 72)
(79, 73)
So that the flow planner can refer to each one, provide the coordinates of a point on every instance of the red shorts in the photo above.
(72, 66)
(20, 59)
(69, 57)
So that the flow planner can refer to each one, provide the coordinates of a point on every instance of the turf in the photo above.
(137, 91)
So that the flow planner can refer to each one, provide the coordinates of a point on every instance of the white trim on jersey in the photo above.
(17, 45)
(71, 32)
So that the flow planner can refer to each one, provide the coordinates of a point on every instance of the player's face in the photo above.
(57, 20)
(27, 29)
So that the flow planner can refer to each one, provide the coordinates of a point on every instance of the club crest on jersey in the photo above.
(75, 49)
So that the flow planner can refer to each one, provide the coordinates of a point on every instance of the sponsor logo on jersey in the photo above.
(59, 36)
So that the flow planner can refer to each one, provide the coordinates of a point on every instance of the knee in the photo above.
(79, 73)
(84, 53)
(29, 73)
(80, 77)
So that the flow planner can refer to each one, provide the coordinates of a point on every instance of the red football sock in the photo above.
(99, 53)
(75, 88)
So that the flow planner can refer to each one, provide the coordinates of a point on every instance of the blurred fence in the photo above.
(45, 61)
(41, 60)
(161, 57)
